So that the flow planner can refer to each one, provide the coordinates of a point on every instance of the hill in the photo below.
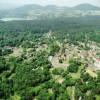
(86, 6)
(36, 11)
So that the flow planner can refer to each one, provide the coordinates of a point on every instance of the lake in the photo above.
(14, 19)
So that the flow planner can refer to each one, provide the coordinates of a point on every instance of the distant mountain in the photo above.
(29, 7)
(36, 11)
(86, 6)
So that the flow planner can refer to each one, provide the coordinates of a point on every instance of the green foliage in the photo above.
(86, 77)
(57, 71)
(54, 48)
(29, 76)
(74, 66)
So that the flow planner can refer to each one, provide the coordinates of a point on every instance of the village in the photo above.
(90, 58)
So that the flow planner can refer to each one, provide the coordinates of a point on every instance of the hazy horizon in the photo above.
(7, 4)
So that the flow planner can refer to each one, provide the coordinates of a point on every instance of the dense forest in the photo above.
(26, 73)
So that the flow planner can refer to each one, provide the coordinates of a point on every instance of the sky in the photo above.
(15, 3)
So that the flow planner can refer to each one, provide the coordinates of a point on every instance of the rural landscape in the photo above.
(50, 53)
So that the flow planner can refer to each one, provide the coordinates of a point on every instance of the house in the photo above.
(97, 63)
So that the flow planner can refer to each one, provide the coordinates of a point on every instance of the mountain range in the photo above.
(37, 11)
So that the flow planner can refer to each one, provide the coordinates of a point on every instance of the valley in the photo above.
(50, 55)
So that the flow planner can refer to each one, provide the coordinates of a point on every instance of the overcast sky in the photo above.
(14, 3)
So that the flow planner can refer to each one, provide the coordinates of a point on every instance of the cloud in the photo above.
(63, 2)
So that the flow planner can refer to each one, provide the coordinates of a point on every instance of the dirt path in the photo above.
(16, 52)
(73, 93)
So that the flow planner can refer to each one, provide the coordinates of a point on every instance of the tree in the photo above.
(74, 66)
